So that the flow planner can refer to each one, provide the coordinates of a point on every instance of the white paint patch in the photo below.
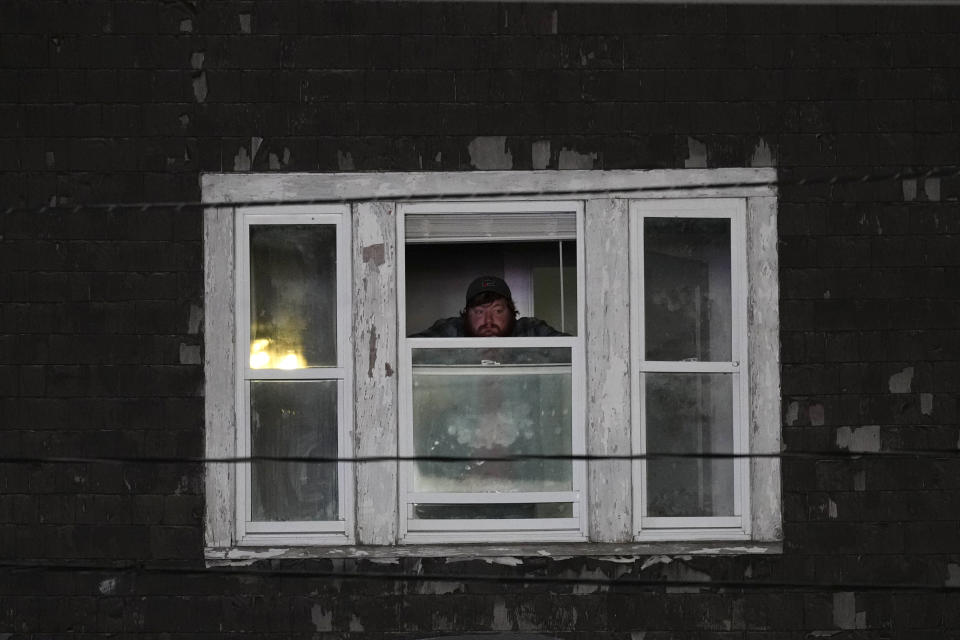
(844, 610)
(953, 575)
(385, 560)
(489, 153)
(926, 403)
(696, 154)
(554, 22)
(190, 354)
(440, 587)
(638, 635)
(570, 159)
(655, 560)
(50, 159)
(200, 87)
(817, 417)
(832, 509)
(244, 22)
(540, 151)
(901, 382)
(501, 617)
(195, 320)
(246, 557)
(242, 161)
(931, 187)
(910, 190)
(321, 618)
(273, 161)
(108, 586)
(196, 60)
(793, 412)
(860, 481)
(507, 561)
(823, 634)
(345, 160)
(255, 143)
(186, 25)
(762, 155)
(859, 438)
(355, 624)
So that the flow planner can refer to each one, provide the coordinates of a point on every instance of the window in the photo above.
(661, 292)
(482, 397)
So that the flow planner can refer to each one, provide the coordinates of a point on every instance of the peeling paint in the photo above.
(860, 481)
(345, 161)
(910, 190)
(845, 614)
(108, 586)
(540, 152)
(793, 412)
(195, 320)
(244, 22)
(273, 161)
(508, 561)
(762, 155)
(926, 403)
(200, 86)
(638, 635)
(50, 159)
(501, 617)
(186, 25)
(654, 561)
(901, 382)
(696, 154)
(190, 354)
(816, 413)
(246, 557)
(571, 159)
(374, 253)
(321, 618)
(241, 161)
(832, 509)
(859, 438)
(387, 369)
(373, 351)
(489, 153)
(255, 143)
(184, 120)
(953, 575)
(931, 188)
(196, 60)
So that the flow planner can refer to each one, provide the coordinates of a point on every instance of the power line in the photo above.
(382, 576)
(944, 171)
(519, 457)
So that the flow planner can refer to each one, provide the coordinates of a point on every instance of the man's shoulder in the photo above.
(534, 327)
(443, 328)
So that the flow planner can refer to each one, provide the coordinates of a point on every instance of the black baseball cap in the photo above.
(483, 284)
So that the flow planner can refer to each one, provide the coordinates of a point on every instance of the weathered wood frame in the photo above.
(373, 199)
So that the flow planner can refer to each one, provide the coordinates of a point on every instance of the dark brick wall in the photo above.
(101, 311)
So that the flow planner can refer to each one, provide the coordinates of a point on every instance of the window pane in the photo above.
(293, 296)
(294, 418)
(687, 289)
(493, 511)
(689, 413)
(490, 403)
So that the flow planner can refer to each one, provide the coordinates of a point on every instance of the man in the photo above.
(489, 312)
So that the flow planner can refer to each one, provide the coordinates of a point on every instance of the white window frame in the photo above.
(736, 526)
(335, 532)
(573, 529)
(372, 201)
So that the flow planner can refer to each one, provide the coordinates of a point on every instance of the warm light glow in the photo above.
(261, 357)
(291, 360)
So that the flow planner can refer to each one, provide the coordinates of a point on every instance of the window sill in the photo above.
(504, 554)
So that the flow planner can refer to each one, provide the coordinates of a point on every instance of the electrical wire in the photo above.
(526, 579)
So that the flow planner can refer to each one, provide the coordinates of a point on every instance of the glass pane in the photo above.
(493, 511)
(491, 403)
(687, 289)
(293, 296)
(689, 413)
(294, 418)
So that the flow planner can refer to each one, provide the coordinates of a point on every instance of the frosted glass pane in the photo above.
(293, 296)
(492, 402)
(293, 418)
(687, 310)
(689, 413)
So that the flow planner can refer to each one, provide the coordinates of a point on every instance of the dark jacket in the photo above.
(522, 328)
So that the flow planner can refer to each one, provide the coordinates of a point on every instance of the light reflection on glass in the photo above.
(264, 355)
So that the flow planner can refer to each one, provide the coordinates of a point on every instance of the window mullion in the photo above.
(608, 368)
(375, 334)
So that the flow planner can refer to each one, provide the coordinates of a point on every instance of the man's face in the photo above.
(490, 320)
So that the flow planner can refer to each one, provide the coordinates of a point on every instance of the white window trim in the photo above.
(573, 529)
(738, 526)
(375, 325)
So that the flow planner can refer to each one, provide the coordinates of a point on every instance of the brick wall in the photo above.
(101, 311)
